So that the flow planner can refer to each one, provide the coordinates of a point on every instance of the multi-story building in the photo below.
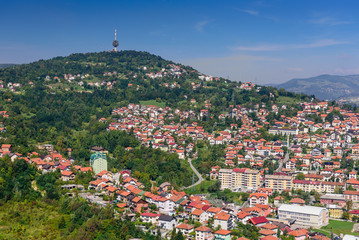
(225, 176)
(258, 198)
(239, 179)
(335, 211)
(278, 182)
(224, 220)
(98, 162)
(320, 187)
(351, 195)
(304, 215)
(185, 229)
(328, 199)
(203, 233)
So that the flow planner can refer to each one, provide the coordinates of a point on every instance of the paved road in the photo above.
(286, 157)
(282, 162)
(200, 178)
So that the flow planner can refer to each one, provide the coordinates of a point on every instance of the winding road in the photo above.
(200, 178)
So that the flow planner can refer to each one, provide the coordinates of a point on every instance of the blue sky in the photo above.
(259, 41)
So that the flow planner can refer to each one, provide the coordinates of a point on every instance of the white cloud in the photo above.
(280, 47)
(199, 26)
(251, 12)
(328, 21)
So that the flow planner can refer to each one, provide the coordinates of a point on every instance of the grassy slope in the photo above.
(153, 102)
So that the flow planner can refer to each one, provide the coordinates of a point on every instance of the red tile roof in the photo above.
(185, 226)
(203, 229)
(223, 232)
(150, 215)
(258, 220)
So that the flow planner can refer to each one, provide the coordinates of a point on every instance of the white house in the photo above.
(166, 206)
(203, 233)
(224, 220)
(167, 222)
(150, 217)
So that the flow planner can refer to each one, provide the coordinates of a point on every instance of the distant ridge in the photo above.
(329, 87)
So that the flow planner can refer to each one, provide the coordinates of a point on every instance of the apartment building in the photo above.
(320, 187)
(239, 179)
(278, 182)
(305, 215)
(225, 177)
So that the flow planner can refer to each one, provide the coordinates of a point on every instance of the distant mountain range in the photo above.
(4, 65)
(326, 87)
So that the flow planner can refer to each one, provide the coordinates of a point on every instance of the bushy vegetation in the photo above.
(27, 213)
(63, 219)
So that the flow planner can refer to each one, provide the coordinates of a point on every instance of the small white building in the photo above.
(150, 217)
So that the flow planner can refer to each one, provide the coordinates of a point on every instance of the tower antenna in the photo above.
(115, 42)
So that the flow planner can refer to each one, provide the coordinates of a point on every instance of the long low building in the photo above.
(319, 186)
(305, 215)
(329, 199)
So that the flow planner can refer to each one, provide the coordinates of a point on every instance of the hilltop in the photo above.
(329, 87)
(145, 75)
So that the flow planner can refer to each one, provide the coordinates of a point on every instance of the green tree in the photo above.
(300, 176)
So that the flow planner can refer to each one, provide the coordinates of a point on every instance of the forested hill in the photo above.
(136, 76)
(61, 100)
(94, 64)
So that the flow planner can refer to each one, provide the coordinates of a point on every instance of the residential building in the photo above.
(278, 182)
(150, 217)
(239, 179)
(222, 235)
(258, 198)
(224, 220)
(67, 176)
(319, 186)
(335, 211)
(185, 229)
(258, 221)
(297, 201)
(305, 215)
(243, 217)
(166, 206)
(167, 222)
(203, 233)
(98, 162)
(225, 176)
(328, 199)
(299, 234)
(199, 215)
(351, 195)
